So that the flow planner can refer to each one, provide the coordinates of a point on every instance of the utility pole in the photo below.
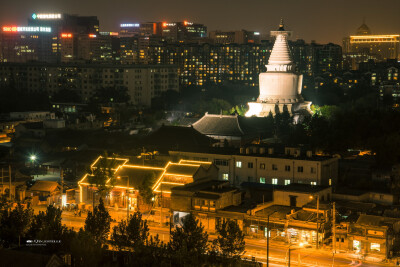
(9, 178)
(161, 204)
(127, 199)
(317, 221)
(268, 231)
(334, 233)
(62, 185)
(289, 256)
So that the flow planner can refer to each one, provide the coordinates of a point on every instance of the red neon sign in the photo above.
(66, 35)
(10, 29)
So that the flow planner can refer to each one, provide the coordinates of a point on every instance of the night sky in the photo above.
(320, 20)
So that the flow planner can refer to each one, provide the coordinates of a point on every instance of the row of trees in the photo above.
(130, 238)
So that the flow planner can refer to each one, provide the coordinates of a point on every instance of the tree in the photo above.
(98, 223)
(66, 96)
(47, 225)
(102, 175)
(106, 95)
(14, 224)
(130, 234)
(145, 189)
(85, 250)
(230, 240)
(189, 242)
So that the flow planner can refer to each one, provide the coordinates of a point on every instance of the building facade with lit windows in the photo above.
(265, 166)
(365, 45)
(237, 37)
(374, 236)
(25, 44)
(143, 82)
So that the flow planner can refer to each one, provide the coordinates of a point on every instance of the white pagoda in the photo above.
(280, 85)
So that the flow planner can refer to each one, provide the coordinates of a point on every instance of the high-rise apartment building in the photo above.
(28, 43)
(237, 37)
(182, 31)
(143, 82)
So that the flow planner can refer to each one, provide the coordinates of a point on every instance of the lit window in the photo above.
(274, 180)
(225, 176)
(375, 247)
(262, 166)
(238, 164)
(330, 181)
(356, 245)
(262, 180)
(287, 182)
(313, 183)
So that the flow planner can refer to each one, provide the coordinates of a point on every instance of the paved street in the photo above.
(308, 257)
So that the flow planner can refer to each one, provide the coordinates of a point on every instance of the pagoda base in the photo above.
(297, 110)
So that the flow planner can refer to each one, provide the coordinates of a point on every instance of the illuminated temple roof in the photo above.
(163, 178)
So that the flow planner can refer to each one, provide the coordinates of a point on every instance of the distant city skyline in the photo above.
(309, 20)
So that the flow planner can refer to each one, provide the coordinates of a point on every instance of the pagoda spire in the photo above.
(281, 26)
(280, 58)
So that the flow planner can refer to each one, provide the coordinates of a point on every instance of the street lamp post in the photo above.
(317, 246)
(127, 198)
(127, 195)
(268, 237)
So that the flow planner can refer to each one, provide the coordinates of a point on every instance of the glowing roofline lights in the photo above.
(26, 29)
(129, 25)
(183, 161)
(375, 36)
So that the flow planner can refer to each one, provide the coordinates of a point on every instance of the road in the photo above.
(308, 257)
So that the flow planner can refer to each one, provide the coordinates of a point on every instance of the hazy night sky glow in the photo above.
(320, 20)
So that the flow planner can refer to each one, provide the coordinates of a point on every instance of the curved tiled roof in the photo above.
(230, 125)
(224, 125)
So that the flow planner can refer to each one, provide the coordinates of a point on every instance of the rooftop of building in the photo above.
(372, 220)
(261, 151)
(301, 188)
(84, 65)
(230, 125)
(212, 186)
(44, 186)
(276, 212)
(177, 137)
(33, 125)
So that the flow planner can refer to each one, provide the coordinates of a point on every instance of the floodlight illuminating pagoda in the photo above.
(280, 85)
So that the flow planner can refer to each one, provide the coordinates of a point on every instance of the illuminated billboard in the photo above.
(26, 29)
(130, 25)
(66, 35)
(46, 16)
(165, 24)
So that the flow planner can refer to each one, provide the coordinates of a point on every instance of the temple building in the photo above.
(280, 85)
